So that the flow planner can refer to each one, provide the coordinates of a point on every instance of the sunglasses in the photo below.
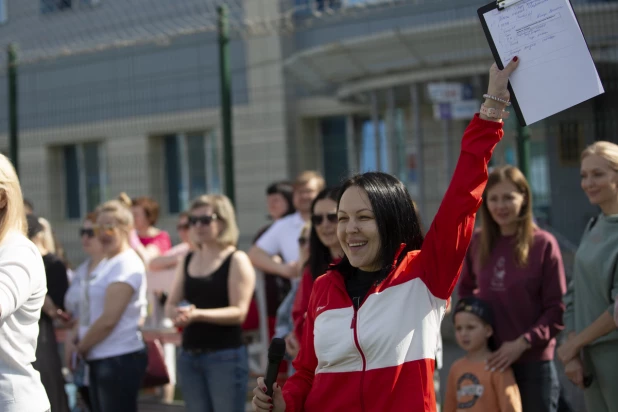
(86, 232)
(107, 229)
(302, 241)
(318, 219)
(204, 220)
(182, 226)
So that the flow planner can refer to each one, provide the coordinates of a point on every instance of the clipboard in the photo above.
(499, 6)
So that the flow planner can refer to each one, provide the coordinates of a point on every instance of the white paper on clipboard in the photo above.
(556, 70)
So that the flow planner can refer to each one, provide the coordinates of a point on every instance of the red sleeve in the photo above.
(301, 303)
(297, 387)
(448, 237)
(467, 280)
(162, 241)
(553, 289)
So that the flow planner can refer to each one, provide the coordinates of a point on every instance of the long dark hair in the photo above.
(395, 215)
(319, 254)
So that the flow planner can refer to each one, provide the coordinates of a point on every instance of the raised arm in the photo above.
(448, 237)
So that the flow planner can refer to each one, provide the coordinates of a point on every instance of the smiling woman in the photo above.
(372, 326)
(370, 234)
(592, 346)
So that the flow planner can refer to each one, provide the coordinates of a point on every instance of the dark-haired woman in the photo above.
(373, 321)
(324, 249)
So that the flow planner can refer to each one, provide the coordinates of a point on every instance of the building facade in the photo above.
(124, 97)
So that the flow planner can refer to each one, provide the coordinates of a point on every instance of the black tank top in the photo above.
(209, 292)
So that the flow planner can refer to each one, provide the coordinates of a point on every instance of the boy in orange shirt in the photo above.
(470, 387)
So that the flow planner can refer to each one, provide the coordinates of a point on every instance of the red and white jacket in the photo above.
(381, 357)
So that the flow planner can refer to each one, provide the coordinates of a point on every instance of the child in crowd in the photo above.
(471, 387)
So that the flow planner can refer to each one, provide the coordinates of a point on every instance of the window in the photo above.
(50, 6)
(191, 168)
(570, 143)
(3, 12)
(369, 151)
(334, 149)
(84, 178)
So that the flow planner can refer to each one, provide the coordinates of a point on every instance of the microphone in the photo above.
(276, 351)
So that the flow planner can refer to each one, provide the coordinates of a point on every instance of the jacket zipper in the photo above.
(357, 343)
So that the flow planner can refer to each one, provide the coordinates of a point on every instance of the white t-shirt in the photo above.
(74, 295)
(126, 267)
(281, 238)
(23, 287)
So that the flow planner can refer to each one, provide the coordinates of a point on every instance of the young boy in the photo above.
(470, 387)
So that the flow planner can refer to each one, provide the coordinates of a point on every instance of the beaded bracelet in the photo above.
(497, 99)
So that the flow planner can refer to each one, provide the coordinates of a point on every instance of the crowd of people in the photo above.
(354, 284)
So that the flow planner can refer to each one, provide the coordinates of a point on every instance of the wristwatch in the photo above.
(494, 113)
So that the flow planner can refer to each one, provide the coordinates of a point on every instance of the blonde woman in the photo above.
(590, 299)
(217, 282)
(110, 315)
(23, 288)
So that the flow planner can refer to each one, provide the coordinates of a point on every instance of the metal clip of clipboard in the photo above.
(503, 4)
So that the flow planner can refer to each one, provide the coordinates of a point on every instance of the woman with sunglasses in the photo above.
(372, 326)
(23, 289)
(72, 302)
(324, 249)
(110, 339)
(216, 281)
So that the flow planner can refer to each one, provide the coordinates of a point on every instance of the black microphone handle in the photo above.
(271, 376)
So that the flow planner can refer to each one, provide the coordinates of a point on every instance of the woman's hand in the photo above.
(81, 352)
(264, 403)
(499, 79)
(184, 316)
(498, 82)
(508, 353)
(568, 350)
(574, 370)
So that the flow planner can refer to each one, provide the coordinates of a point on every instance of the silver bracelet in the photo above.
(497, 99)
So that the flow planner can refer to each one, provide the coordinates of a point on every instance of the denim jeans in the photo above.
(214, 381)
(538, 385)
(115, 382)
